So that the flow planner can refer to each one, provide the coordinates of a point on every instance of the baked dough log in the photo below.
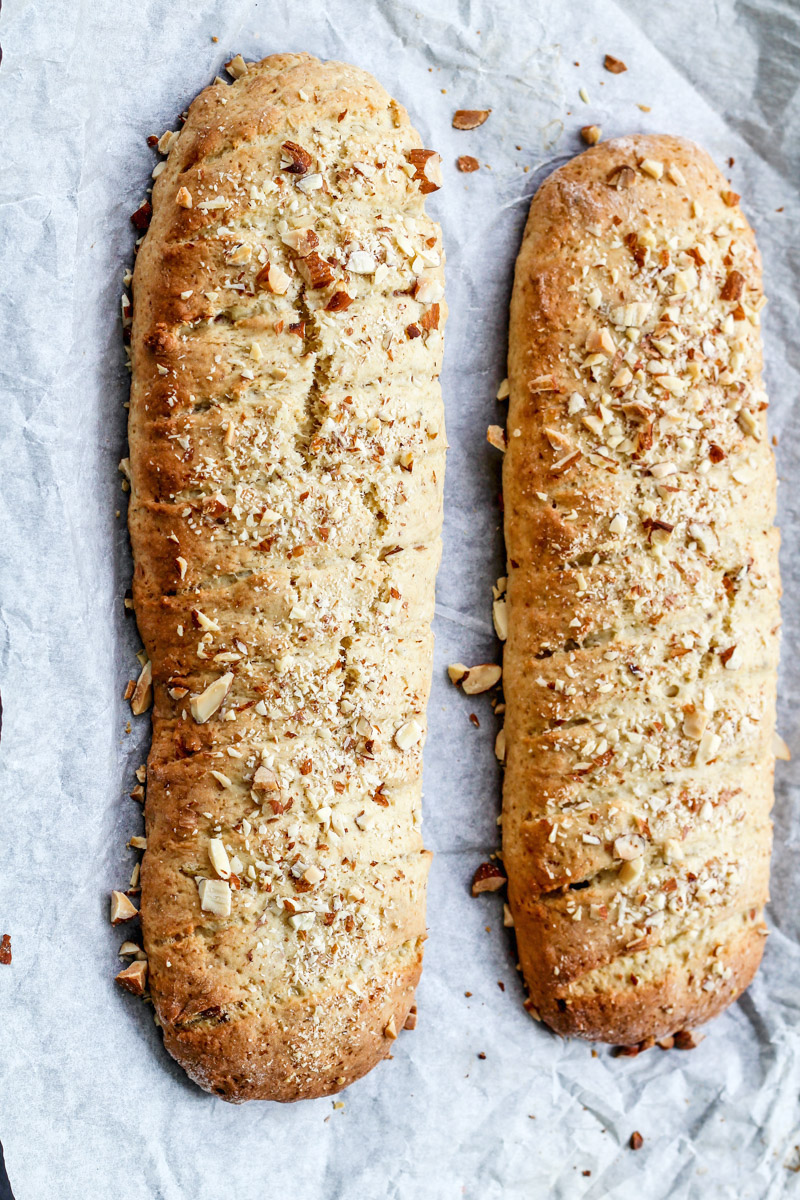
(287, 459)
(643, 592)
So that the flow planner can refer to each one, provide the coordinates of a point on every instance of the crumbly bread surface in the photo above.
(642, 602)
(287, 459)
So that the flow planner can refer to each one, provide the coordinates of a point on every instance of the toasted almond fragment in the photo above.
(508, 917)
(600, 341)
(481, 678)
(615, 65)
(138, 843)
(652, 167)
(273, 277)
(430, 318)
(500, 746)
(361, 262)
(733, 286)
(302, 240)
(622, 177)
(313, 875)
(637, 1141)
(730, 198)
(133, 978)
(237, 67)
(780, 749)
(121, 908)
(265, 780)
(204, 622)
(504, 391)
(408, 734)
(466, 163)
(629, 846)
(338, 302)
(411, 1019)
(182, 566)
(457, 671)
(215, 896)
(130, 688)
(564, 464)
(300, 158)
(630, 871)
(142, 696)
(427, 171)
(218, 857)
(390, 1029)
(315, 271)
(487, 878)
(496, 436)
(500, 619)
(666, 1043)
(142, 217)
(128, 948)
(138, 793)
(694, 724)
(687, 1039)
(591, 134)
(183, 198)
(470, 118)
(206, 704)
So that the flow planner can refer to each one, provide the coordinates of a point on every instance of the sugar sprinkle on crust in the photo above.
(286, 462)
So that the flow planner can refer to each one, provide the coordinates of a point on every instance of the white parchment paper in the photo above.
(91, 1107)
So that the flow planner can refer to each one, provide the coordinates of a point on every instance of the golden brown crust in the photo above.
(287, 457)
(642, 596)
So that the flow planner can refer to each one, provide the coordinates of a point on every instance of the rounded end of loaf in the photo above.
(654, 993)
(313, 1046)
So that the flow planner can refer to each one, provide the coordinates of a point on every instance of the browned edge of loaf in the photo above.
(293, 1046)
(653, 996)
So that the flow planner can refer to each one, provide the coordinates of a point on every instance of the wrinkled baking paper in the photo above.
(91, 1106)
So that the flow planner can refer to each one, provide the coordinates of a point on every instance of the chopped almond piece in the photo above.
(183, 198)
(133, 978)
(615, 65)
(591, 134)
(496, 436)
(142, 696)
(470, 118)
(487, 878)
(466, 163)
(121, 908)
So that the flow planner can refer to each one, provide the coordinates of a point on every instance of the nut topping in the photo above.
(183, 198)
(206, 704)
(315, 271)
(466, 163)
(215, 897)
(591, 134)
(300, 158)
(615, 65)
(409, 734)
(427, 173)
(218, 857)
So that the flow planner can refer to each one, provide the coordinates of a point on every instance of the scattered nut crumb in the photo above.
(121, 908)
(475, 680)
(133, 978)
(466, 163)
(487, 878)
(142, 696)
(237, 67)
(615, 65)
(591, 134)
(687, 1039)
(470, 118)
(5, 950)
(496, 436)
(637, 1141)
(411, 1019)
